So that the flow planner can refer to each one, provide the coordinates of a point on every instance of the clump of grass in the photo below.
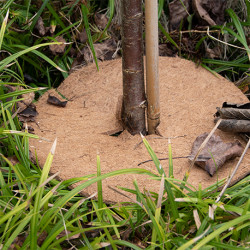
(237, 52)
(39, 211)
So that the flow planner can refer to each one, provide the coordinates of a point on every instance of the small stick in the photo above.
(163, 159)
(152, 76)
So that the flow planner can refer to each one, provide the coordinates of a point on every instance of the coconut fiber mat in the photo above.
(189, 96)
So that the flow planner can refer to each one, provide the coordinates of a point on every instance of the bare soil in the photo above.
(189, 96)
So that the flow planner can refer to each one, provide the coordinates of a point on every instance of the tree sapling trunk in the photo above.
(134, 100)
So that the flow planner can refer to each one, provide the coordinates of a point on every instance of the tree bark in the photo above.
(134, 100)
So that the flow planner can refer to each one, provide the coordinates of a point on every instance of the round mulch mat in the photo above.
(189, 96)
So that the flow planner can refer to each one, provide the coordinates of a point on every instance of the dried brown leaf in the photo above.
(104, 51)
(13, 160)
(214, 53)
(40, 27)
(18, 242)
(42, 238)
(58, 48)
(82, 36)
(177, 13)
(101, 20)
(28, 114)
(210, 11)
(64, 233)
(164, 50)
(55, 101)
(71, 2)
(28, 98)
(215, 153)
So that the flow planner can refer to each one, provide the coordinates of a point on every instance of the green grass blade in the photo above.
(155, 225)
(72, 7)
(18, 92)
(28, 217)
(57, 18)
(158, 210)
(38, 14)
(99, 184)
(6, 192)
(11, 58)
(13, 212)
(169, 38)
(17, 231)
(20, 133)
(237, 24)
(58, 228)
(109, 213)
(227, 246)
(217, 232)
(153, 156)
(106, 231)
(160, 8)
(17, 142)
(161, 171)
(170, 160)
(62, 239)
(112, 9)
(87, 28)
(66, 29)
(236, 63)
(27, 5)
(31, 61)
(34, 220)
(126, 244)
(44, 57)
(247, 2)
(61, 202)
(26, 144)
(6, 6)
(3, 28)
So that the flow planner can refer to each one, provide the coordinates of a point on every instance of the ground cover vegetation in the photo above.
(39, 212)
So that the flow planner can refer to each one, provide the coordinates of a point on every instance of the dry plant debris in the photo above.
(104, 51)
(58, 48)
(215, 153)
(26, 110)
(211, 11)
(235, 117)
(55, 101)
(27, 98)
(28, 114)
(206, 12)
(177, 13)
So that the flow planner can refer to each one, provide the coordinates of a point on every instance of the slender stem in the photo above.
(152, 54)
